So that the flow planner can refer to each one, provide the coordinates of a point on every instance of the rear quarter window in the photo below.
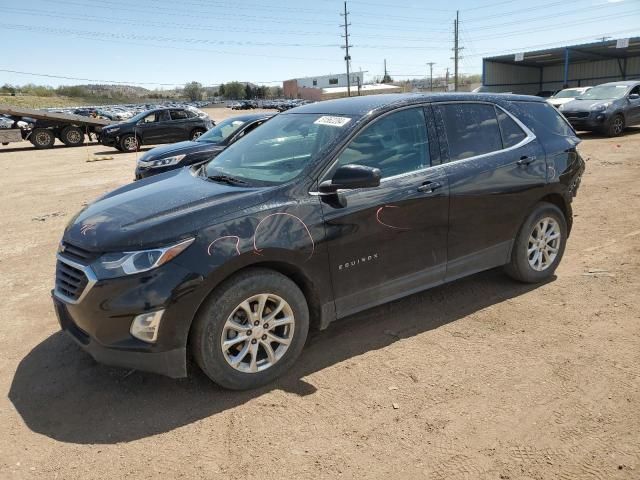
(542, 119)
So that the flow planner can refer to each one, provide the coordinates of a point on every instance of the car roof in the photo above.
(358, 106)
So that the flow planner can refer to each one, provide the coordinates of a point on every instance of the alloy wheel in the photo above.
(618, 125)
(544, 244)
(258, 333)
(130, 144)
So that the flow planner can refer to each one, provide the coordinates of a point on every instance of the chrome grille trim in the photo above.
(69, 277)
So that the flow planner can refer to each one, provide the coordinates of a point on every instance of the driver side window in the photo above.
(397, 143)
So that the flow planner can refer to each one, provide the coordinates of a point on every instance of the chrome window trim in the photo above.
(91, 280)
(530, 137)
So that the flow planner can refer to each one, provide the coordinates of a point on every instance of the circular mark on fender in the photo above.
(304, 225)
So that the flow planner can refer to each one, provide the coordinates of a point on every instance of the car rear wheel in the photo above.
(539, 245)
(129, 143)
(196, 133)
(251, 329)
(616, 126)
(72, 136)
(42, 138)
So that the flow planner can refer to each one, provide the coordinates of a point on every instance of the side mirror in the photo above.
(350, 177)
(634, 96)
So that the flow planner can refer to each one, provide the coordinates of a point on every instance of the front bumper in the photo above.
(108, 141)
(593, 121)
(171, 363)
(100, 321)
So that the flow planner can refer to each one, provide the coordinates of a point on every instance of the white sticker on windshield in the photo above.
(332, 121)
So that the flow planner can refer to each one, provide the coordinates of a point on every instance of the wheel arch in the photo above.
(565, 207)
(289, 270)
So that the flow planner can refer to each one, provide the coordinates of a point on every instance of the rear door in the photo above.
(389, 241)
(496, 168)
(181, 125)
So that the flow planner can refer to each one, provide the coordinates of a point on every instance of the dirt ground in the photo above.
(480, 379)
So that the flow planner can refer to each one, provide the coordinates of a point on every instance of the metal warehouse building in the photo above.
(561, 67)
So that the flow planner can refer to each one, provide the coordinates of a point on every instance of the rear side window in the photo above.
(543, 119)
(471, 129)
(178, 115)
(512, 134)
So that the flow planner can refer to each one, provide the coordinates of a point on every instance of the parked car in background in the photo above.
(608, 108)
(246, 105)
(545, 93)
(566, 95)
(324, 211)
(162, 125)
(204, 148)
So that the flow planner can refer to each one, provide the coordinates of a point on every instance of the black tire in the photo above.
(616, 126)
(129, 143)
(72, 136)
(520, 267)
(195, 133)
(42, 138)
(209, 326)
(118, 147)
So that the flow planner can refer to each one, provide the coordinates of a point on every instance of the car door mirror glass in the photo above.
(350, 177)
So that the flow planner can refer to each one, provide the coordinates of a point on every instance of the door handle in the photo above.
(524, 160)
(429, 187)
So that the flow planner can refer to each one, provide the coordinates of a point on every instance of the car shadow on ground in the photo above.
(115, 151)
(588, 135)
(62, 393)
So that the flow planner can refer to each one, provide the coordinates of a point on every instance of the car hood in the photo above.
(157, 211)
(559, 101)
(584, 105)
(178, 149)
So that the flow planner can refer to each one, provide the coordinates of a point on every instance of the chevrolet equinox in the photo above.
(325, 210)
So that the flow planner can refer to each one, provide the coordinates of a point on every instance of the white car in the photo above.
(566, 95)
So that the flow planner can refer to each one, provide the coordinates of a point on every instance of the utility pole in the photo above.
(446, 89)
(456, 26)
(347, 57)
(431, 64)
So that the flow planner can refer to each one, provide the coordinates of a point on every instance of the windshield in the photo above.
(568, 93)
(222, 131)
(605, 92)
(280, 149)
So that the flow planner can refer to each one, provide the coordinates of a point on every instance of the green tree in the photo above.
(193, 91)
(221, 90)
(248, 91)
(234, 91)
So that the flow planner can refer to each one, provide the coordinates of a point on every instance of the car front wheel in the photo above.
(616, 126)
(539, 246)
(129, 143)
(251, 330)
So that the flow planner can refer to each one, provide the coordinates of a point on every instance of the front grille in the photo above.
(70, 281)
(576, 114)
(77, 253)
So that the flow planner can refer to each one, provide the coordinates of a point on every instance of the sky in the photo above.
(166, 43)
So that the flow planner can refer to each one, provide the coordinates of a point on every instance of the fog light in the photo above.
(145, 327)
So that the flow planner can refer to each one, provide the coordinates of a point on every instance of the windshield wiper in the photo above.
(227, 179)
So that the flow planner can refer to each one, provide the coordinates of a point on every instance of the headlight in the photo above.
(112, 265)
(600, 107)
(162, 162)
(111, 130)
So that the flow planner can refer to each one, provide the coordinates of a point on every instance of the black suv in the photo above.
(204, 148)
(163, 125)
(326, 210)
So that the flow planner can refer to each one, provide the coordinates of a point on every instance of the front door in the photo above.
(389, 241)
